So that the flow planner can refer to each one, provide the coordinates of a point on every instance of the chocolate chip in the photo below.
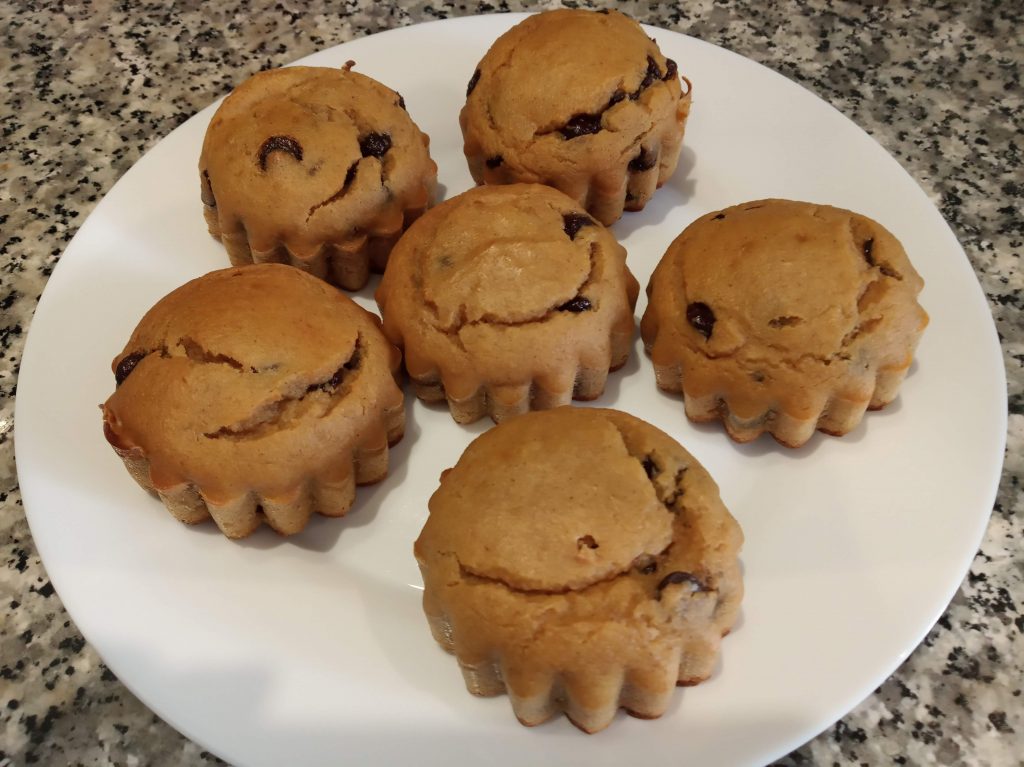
(868, 250)
(126, 366)
(719, 217)
(472, 82)
(642, 162)
(603, 11)
(679, 576)
(494, 162)
(354, 360)
(335, 380)
(651, 467)
(671, 69)
(646, 564)
(653, 73)
(375, 144)
(588, 541)
(701, 317)
(581, 125)
(279, 144)
(401, 101)
(586, 123)
(573, 222)
(677, 483)
(576, 305)
(350, 176)
(630, 197)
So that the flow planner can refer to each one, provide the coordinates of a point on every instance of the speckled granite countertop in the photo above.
(89, 86)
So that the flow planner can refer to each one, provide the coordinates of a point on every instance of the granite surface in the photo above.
(89, 86)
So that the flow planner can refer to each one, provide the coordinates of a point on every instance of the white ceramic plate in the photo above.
(313, 650)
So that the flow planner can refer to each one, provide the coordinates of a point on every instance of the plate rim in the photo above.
(30, 354)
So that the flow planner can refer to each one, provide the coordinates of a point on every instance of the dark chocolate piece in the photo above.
(581, 125)
(652, 74)
(374, 144)
(678, 576)
(642, 162)
(701, 317)
(335, 380)
(279, 144)
(616, 98)
(472, 82)
(868, 250)
(576, 305)
(126, 366)
(573, 222)
(350, 176)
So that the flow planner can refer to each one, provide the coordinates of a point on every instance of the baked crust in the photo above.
(579, 100)
(581, 561)
(255, 394)
(813, 319)
(506, 299)
(318, 168)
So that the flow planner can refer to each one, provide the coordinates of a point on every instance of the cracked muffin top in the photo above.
(789, 299)
(250, 378)
(580, 560)
(576, 499)
(580, 100)
(308, 156)
(506, 285)
(797, 278)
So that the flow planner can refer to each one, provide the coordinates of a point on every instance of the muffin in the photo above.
(783, 317)
(581, 561)
(253, 394)
(508, 298)
(583, 101)
(319, 168)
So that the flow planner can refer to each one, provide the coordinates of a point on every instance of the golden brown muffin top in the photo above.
(504, 281)
(572, 86)
(308, 155)
(257, 374)
(505, 256)
(787, 286)
(560, 500)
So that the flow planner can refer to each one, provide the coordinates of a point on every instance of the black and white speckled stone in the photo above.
(87, 87)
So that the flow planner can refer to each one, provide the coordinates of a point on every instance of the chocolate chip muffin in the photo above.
(255, 394)
(508, 298)
(319, 168)
(582, 101)
(581, 561)
(783, 317)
